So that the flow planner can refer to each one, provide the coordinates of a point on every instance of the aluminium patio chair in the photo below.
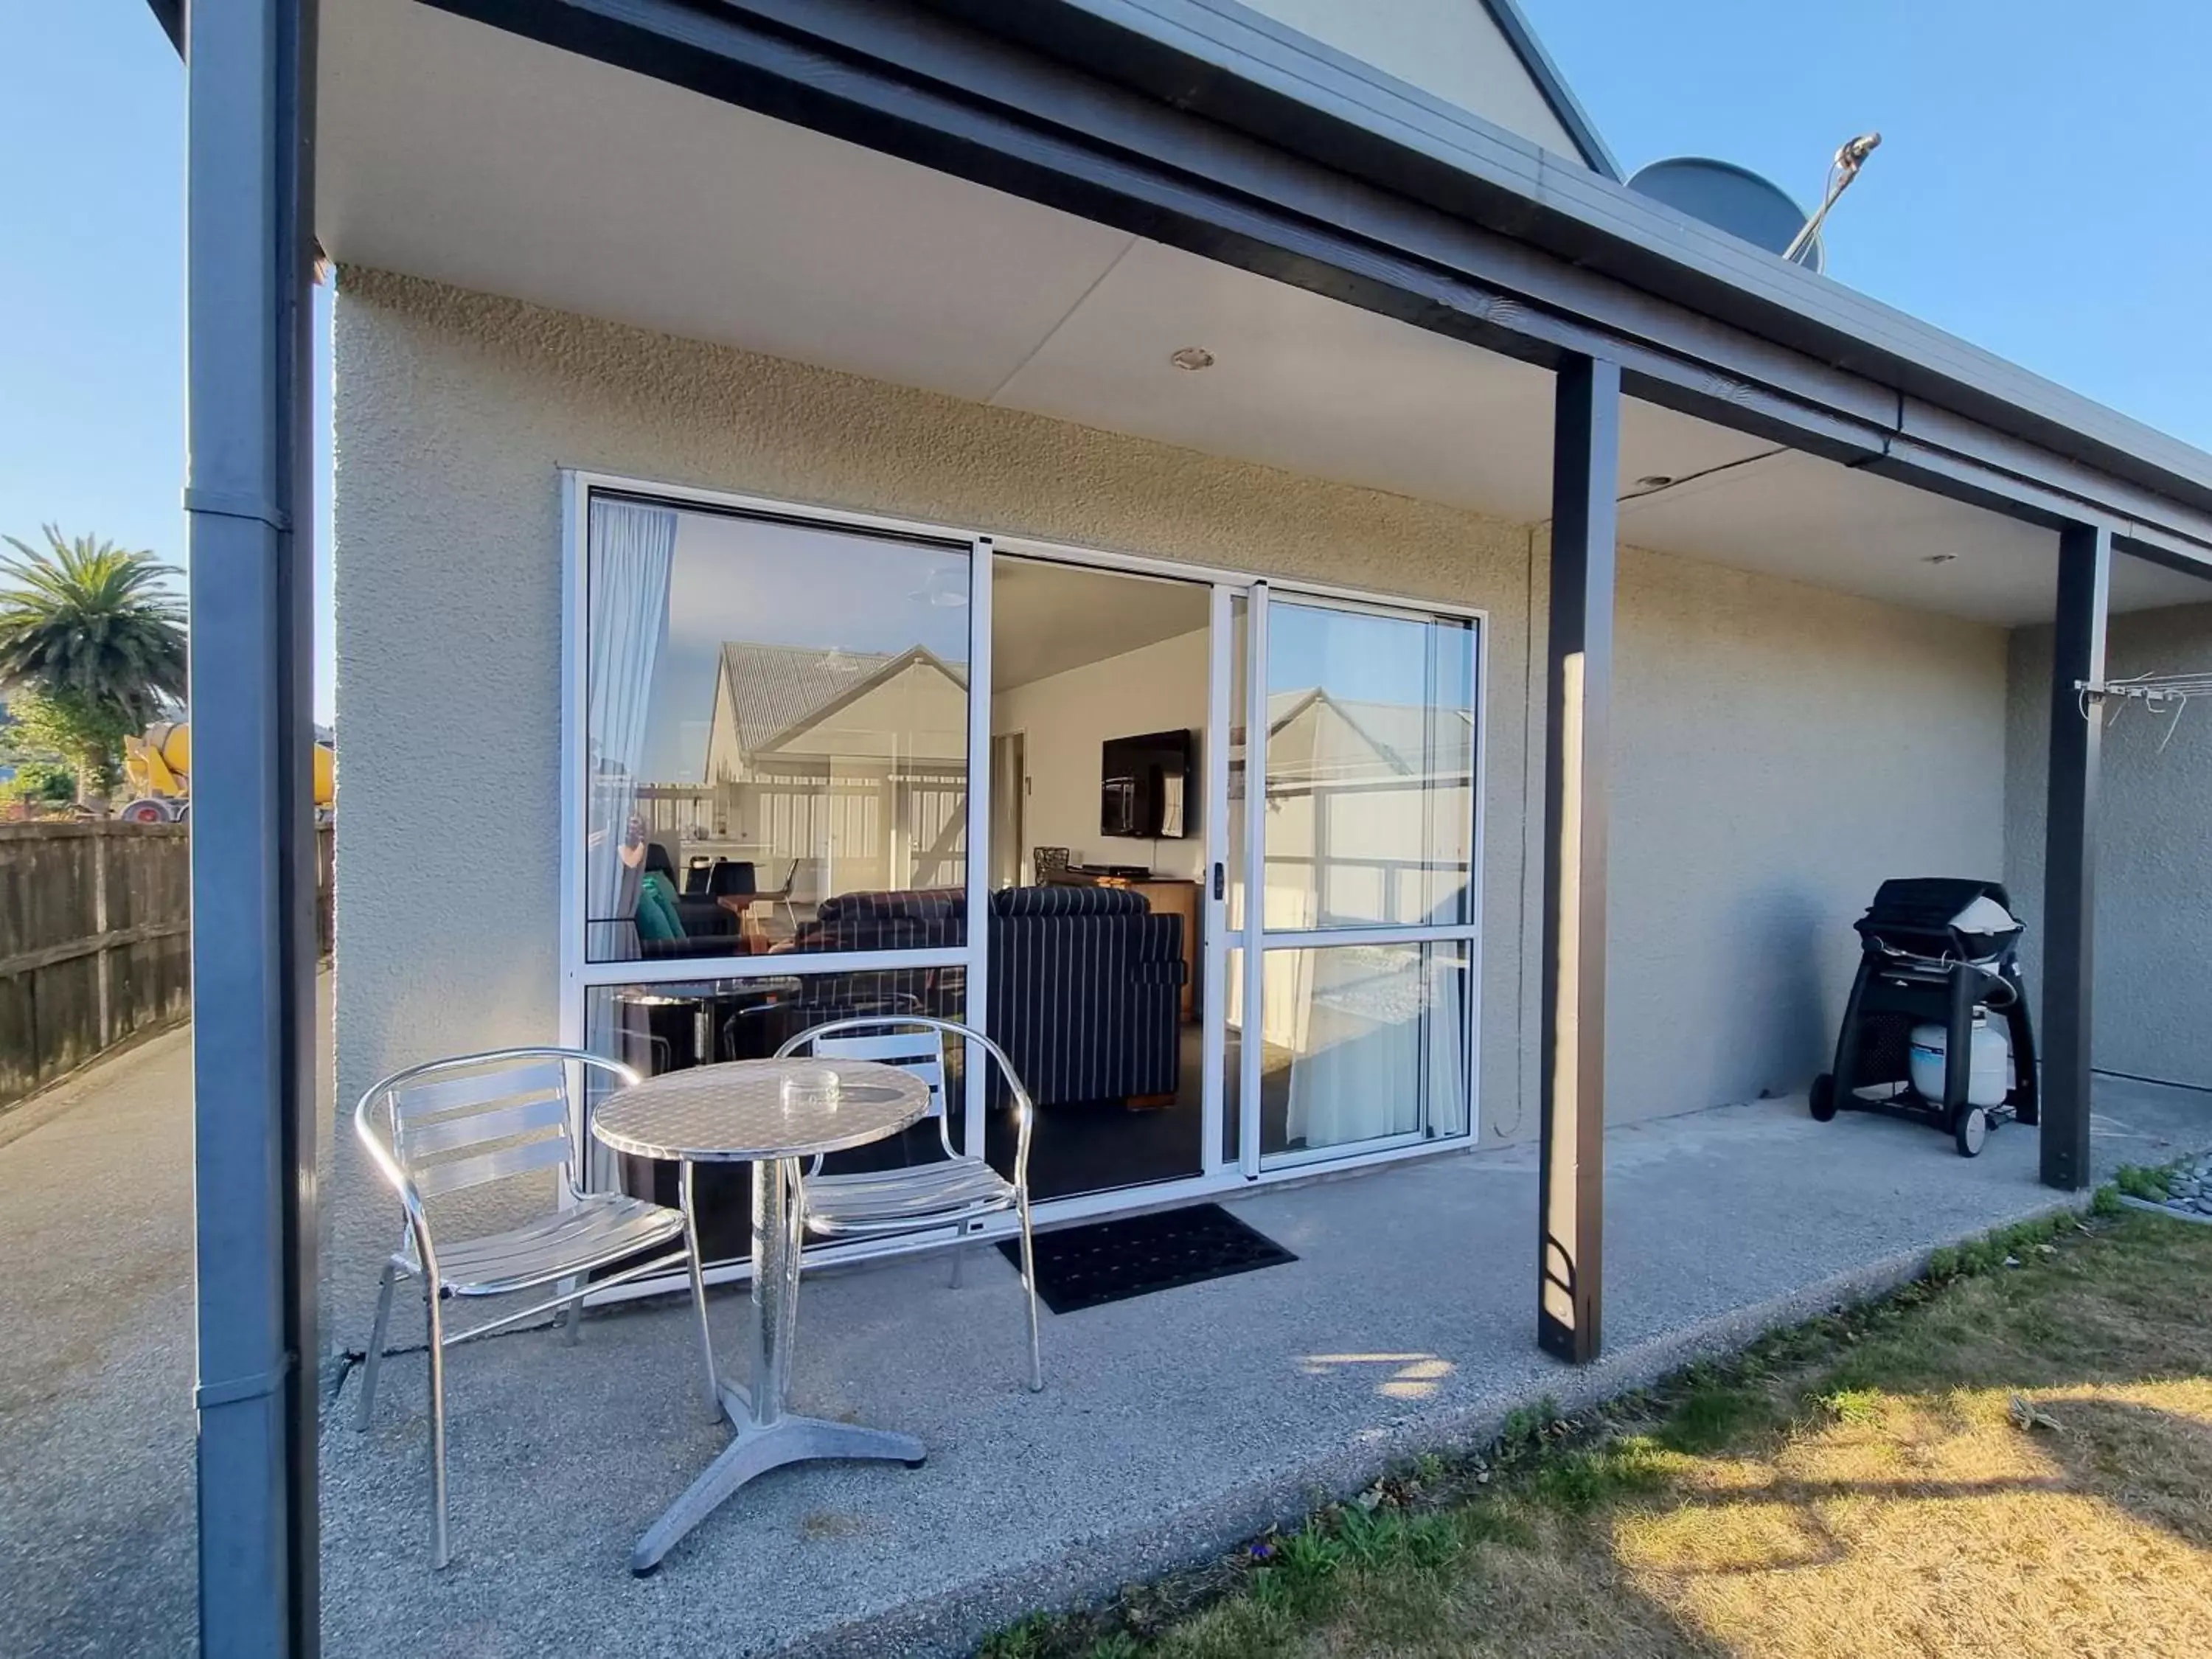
(472, 1120)
(953, 1191)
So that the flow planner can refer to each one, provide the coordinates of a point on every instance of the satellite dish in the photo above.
(1731, 198)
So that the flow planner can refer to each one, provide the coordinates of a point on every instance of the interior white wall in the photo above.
(2154, 894)
(1065, 718)
(1778, 749)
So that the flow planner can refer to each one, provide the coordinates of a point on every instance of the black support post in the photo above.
(2070, 869)
(249, 255)
(1577, 706)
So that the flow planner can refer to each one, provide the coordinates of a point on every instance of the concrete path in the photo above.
(1171, 1424)
(96, 1552)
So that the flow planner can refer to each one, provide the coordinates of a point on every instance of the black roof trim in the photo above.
(170, 15)
(1283, 92)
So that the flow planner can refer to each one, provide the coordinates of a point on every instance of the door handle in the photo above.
(1221, 886)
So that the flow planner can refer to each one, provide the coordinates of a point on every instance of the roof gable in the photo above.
(1480, 57)
(768, 695)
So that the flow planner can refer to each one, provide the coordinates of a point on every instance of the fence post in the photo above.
(100, 928)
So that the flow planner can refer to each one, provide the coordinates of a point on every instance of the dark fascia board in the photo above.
(170, 15)
(1513, 24)
(1078, 128)
(1193, 54)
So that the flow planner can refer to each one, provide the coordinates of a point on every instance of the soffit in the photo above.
(456, 152)
(460, 153)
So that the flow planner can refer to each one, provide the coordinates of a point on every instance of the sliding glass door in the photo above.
(1352, 884)
(1202, 854)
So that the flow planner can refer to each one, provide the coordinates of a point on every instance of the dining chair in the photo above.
(450, 1125)
(949, 1192)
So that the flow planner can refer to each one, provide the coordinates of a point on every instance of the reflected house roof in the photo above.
(1409, 740)
(767, 695)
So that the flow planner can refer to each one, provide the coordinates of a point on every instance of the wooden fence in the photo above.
(95, 940)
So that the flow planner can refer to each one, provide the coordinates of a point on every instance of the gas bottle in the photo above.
(1989, 1079)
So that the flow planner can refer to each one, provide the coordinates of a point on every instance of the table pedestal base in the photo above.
(768, 1436)
(756, 1451)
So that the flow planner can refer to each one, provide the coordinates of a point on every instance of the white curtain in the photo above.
(1374, 1031)
(631, 556)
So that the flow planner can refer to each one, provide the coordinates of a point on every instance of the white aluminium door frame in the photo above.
(1258, 940)
(1214, 897)
(973, 1068)
(1252, 1044)
(579, 976)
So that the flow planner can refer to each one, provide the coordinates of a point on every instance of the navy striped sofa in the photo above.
(1085, 985)
(1086, 992)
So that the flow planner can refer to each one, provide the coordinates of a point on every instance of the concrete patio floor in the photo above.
(1171, 1424)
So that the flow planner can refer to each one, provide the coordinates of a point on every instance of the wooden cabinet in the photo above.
(1179, 898)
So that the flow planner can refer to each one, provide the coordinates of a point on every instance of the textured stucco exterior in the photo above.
(2154, 875)
(1778, 749)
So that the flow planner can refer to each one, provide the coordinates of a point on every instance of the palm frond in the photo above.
(91, 621)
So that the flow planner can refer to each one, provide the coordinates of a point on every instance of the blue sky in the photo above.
(2038, 190)
(92, 361)
(2035, 193)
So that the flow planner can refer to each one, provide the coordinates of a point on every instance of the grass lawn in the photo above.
(2013, 1457)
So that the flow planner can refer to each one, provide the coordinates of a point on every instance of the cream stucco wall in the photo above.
(1778, 747)
(1451, 49)
(1778, 751)
(2154, 943)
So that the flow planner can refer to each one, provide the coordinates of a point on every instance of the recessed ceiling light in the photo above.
(1654, 481)
(1939, 558)
(1192, 358)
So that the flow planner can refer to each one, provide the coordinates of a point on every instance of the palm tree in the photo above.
(89, 628)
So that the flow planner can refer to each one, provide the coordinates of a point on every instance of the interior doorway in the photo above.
(1102, 699)
(1009, 850)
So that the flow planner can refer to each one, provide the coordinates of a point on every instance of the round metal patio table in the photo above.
(771, 1113)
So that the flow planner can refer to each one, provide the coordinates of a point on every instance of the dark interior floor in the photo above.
(1076, 1148)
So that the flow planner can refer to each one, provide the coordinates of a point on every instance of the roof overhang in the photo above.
(1173, 120)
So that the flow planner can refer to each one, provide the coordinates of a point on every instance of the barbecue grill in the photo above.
(1935, 952)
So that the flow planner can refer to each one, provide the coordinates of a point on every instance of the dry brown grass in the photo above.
(1862, 1488)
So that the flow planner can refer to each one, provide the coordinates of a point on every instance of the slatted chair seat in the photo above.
(909, 1199)
(598, 1231)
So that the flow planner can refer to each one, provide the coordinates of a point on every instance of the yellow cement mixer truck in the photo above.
(158, 766)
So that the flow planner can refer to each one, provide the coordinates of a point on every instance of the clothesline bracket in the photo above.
(2159, 691)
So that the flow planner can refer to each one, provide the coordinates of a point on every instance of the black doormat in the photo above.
(1112, 1261)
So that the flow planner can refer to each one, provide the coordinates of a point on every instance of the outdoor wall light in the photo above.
(1192, 358)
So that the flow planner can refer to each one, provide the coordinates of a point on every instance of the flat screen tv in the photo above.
(1145, 787)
